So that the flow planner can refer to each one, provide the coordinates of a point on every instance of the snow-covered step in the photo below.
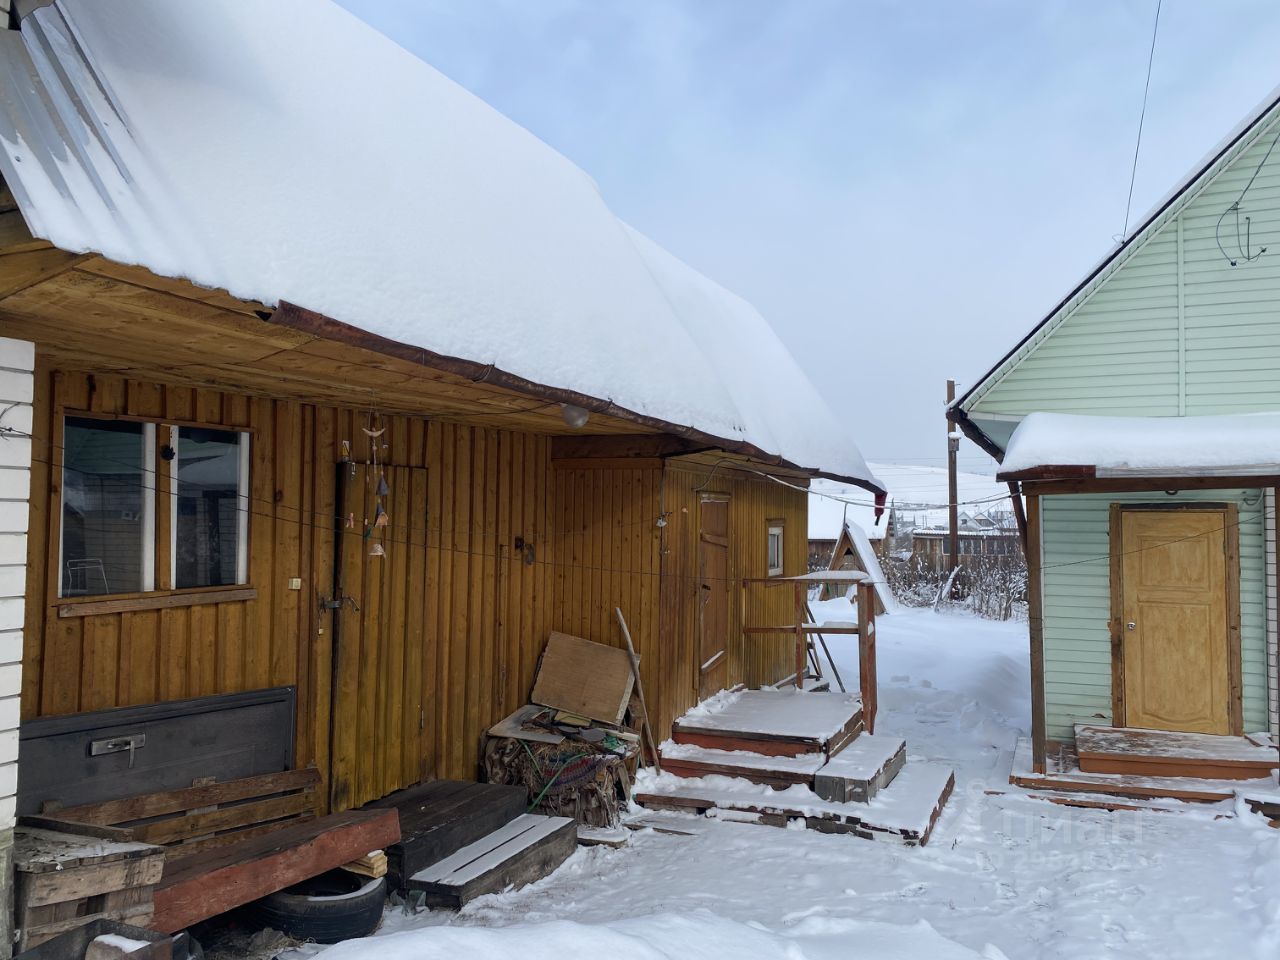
(772, 722)
(1164, 753)
(905, 811)
(687, 760)
(526, 849)
(862, 769)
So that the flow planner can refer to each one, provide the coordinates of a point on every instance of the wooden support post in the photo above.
(1019, 515)
(802, 643)
(953, 495)
(1035, 619)
(867, 653)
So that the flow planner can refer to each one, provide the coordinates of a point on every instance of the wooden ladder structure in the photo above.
(804, 627)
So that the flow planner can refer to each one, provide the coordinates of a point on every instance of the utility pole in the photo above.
(953, 497)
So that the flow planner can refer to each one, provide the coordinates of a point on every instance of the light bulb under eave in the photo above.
(574, 416)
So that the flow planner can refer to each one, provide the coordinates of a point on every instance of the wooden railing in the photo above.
(864, 630)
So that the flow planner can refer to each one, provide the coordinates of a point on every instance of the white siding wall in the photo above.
(17, 359)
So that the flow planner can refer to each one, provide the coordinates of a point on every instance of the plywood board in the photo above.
(584, 678)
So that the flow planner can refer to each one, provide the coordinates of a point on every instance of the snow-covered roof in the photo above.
(288, 152)
(1246, 444)
(872, 564)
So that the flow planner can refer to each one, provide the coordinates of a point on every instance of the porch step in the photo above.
(686, 760)
(862, 769)
(776, 723)
(526, 849)
(905, 811)
(440, 817)
(1160, 753)
(1062, 774)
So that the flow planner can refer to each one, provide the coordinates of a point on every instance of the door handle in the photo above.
(1131, 625)
(132, 743)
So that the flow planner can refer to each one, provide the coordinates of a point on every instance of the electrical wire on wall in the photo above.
(1244, 245)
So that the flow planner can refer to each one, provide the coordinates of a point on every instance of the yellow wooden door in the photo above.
(380, 661)
(1174, 624)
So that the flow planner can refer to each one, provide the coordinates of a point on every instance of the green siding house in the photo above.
(1150, 498)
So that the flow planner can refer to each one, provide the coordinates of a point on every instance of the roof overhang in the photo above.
(316, 324)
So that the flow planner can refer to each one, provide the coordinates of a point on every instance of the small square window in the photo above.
(210, 508)
(775, 550)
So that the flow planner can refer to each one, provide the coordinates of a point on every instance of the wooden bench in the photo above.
(230, 843)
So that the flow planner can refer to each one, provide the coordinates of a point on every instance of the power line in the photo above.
(334, 525)
(1133, 175)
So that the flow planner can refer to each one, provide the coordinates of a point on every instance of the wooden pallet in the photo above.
(526, 849)
(441, 816)
(208, 815)
(64, 881)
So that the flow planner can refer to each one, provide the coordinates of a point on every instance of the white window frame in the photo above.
(148, 545)
(778, 530)
(242, 507)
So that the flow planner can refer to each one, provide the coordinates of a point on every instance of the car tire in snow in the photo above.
(334, 906)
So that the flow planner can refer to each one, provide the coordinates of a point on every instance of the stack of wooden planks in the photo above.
(228, 844)
(207, 815)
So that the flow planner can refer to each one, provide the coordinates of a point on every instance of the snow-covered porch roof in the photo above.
(291, 155)
(1058, 446)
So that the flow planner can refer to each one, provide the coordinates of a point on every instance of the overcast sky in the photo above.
(903, 189)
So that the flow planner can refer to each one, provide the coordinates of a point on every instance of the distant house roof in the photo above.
(1239, 139)
(289, 153)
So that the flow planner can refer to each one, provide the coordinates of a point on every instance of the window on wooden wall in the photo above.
(210, 508)
(110, 507)
(774, 548)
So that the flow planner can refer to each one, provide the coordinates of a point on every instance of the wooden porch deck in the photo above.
(1145, 767)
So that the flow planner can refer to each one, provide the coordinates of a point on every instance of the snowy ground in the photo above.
(1003, 876)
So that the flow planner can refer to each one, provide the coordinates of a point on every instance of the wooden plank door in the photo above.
(1174, 627)
(379, 709)
(713, 597)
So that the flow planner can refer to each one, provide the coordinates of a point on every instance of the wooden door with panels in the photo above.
(380, 657)
(713, 595)
(1175, 608)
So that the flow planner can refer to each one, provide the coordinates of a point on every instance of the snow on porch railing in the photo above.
(864, 629)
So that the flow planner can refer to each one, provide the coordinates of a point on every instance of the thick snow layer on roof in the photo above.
(287, 151)
(1235, 444)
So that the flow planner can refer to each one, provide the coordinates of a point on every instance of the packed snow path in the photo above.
(1004, 874)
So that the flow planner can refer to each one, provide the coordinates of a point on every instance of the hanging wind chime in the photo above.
(376, 528)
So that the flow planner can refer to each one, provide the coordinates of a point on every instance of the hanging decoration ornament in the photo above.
(381, 520)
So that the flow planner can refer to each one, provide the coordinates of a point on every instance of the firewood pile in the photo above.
(572, 747)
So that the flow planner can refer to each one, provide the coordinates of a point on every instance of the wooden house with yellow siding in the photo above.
(337, 393)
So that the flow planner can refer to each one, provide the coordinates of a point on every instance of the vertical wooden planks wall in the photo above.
(466, 640)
